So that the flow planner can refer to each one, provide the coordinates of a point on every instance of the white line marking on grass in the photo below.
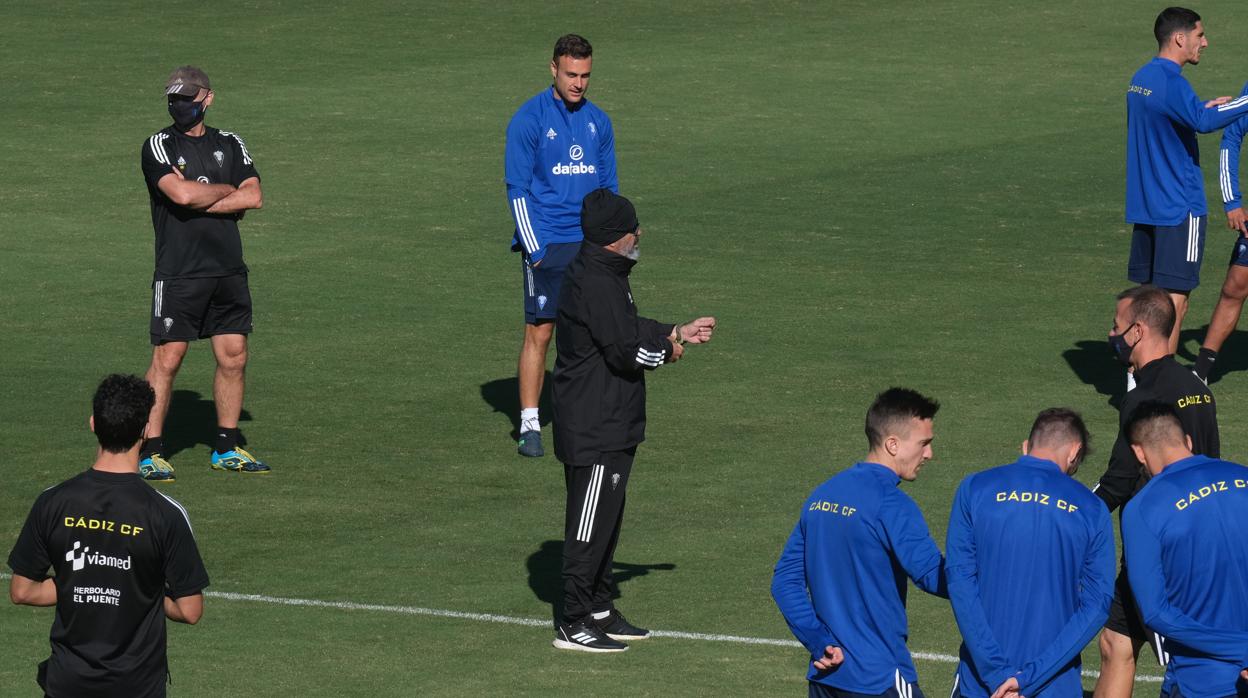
(537, 623)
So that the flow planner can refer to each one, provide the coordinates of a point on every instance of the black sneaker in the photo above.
(585, 637)
(531, 444)
(617, 628)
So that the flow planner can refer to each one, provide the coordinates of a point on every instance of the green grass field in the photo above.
(865, 194)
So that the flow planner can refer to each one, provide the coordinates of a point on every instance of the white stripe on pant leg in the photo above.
(593, 512)
(956, 678)
(159, 297)
(587, 504)
(591, 503)
(897, 683)
(1191, 240)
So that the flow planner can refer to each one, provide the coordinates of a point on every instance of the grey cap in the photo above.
(187, 81)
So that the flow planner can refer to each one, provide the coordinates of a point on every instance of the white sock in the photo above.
(529, 420)
(601, 614)
(1130, 381)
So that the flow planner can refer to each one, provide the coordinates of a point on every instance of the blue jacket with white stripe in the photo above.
(841, 580)
(1187, 557)
(555, 156)
(1030, 560)
(1228, 167)
(1164, 114)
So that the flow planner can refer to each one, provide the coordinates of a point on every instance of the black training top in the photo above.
(604, 350)
(192, 243)
(1163, 380)
(117, 547)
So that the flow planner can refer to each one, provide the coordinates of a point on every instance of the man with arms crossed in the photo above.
(200, 181)
(1030, 561)
(841, 581)
(124, 560)
(1235, 287)
(1165, 190)
(1186, 555)
(1143, 322)
(560, 147)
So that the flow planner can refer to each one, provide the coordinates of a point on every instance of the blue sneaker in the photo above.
(238, 461)
(531, 444)
(155, 468)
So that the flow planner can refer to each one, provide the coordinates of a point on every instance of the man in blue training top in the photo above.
(841, 581)
(1186, 556)
(1030, 561)
(560, 147)
(1165, 191)
(1235, 287)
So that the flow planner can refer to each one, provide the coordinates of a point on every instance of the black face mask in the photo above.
(186, 113)
(1119, 347)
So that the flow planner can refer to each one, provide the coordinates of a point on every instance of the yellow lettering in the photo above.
(1044, 499)
(1241, 484)
(1000, 497)
(1013, 497)
(1027, 497)
(137, 530)
(1181, 504)
(1221, 485)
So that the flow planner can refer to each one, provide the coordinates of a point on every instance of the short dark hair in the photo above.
(1155, 423)
(120, 409)
(1150, 305)
(1058, 426)
(1171, 20)
(893, 409)
(573, 45)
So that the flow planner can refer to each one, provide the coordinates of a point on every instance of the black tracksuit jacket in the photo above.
(1163, 380)
(604, 350)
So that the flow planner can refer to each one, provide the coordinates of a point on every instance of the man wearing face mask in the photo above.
(604, 350)
(200, 181)
(1140, 338)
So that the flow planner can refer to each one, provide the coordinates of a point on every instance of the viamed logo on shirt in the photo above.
(80, 558)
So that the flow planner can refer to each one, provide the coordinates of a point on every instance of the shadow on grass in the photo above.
(504, 396)
(1092, 362)
(192, 421)
(546, 575)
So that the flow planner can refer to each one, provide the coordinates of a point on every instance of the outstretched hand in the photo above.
(697, 331)
(832, 658)
(1217, 102)
(1009, 689)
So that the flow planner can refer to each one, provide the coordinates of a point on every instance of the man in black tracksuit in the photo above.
(604, 350)
(1143, 321)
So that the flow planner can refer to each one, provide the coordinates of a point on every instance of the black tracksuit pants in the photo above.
(591, 529)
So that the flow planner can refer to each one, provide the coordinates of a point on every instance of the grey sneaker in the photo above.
(531, 444)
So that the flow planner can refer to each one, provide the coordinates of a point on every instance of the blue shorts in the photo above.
(1168, 256)
(542, 283)
(901, 690)
(1239, 253)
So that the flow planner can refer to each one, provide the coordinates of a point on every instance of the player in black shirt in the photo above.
(200, 182)
(1140, 337)
(123, 556)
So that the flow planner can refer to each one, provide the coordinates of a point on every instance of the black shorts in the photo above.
(188, 309)
(1125, 619)
(1168, 256)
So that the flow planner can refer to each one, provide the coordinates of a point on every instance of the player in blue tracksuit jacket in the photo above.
(1030, 561)
(560, 147)
(841, 581)
(1189, 523)
(1235, 287)
(1165, 196)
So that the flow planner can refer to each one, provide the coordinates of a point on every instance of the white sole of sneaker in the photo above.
(565, 645)
(627, 638)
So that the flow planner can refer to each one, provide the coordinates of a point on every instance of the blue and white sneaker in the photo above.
(155, 468)
(531, 444)
(238, 461)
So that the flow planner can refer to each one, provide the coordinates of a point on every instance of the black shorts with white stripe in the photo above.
(197, 308)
